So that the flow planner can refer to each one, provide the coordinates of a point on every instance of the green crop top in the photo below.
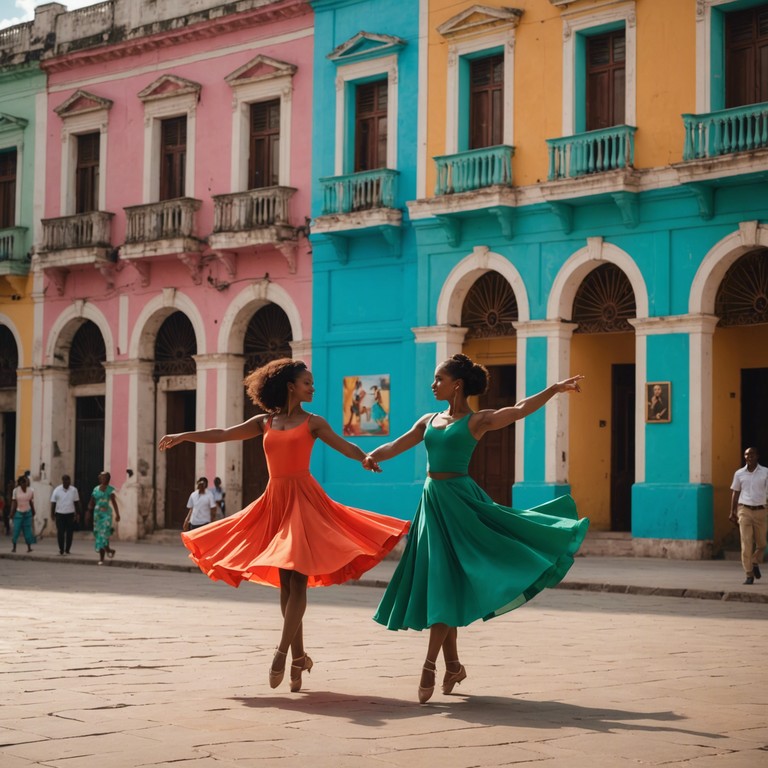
(449, 449)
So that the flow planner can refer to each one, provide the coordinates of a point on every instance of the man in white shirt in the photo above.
(65, 512)
(201, 506)
(749, 510)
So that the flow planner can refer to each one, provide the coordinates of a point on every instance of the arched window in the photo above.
(174, 347)
(742, 298)
(9, 359)
(490, 308)
(604, 302)
(87, 356)
(268, 337)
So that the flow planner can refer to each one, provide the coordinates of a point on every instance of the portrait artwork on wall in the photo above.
(365, 402)
(658, 399)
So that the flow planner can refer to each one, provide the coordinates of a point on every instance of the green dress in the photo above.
(102, 517)
(468, 558)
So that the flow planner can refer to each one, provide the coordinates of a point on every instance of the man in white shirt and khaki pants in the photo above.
(749, 510)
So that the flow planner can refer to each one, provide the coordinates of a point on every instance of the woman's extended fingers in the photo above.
(571, 384)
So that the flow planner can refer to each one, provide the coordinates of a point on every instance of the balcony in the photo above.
(726, 132)
(475, 169)
(161, 229)
(72, 241)
(608, 149)
(13, 254)
(253, 218)
(359, 204)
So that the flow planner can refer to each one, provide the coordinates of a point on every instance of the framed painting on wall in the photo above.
(365, 404)
(658, 397)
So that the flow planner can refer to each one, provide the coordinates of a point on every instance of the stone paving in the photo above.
(147, 667)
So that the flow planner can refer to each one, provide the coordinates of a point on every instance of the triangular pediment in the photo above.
(260, 68)
(11, 123)
(480, 18)
(365, 45)
(81, 102)
(169, 86)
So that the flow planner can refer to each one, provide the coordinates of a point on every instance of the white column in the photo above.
(302, 350)
(449, 339)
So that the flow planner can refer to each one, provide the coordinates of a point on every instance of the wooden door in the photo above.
(180, 462)
(622, 445)
(754, 413)
(606, 98)
(89, 446)
(493, 463)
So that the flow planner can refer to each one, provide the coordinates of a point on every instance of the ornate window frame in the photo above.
(578, 26)
(82, 113)
(12, 137)
(474, 31)
(168, 96)
(364, 57)
(260, 79)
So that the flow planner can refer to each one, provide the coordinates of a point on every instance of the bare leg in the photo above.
(451, 650)
(437, 636)
(297, 644)
(102, 552)
(293, 613)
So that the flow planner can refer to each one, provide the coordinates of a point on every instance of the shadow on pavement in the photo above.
(480, 710)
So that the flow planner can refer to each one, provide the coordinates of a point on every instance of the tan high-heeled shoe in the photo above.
(425, 693)
(453, 678)
(276, 676)
(305, 665)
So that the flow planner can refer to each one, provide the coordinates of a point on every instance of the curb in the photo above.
(579, 586)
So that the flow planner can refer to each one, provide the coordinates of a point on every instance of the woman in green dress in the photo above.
(468, 558)
(99, 507)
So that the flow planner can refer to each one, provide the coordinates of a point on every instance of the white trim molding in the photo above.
(260, 79)
(464, 275)
(82, 113)
(349, 73)
(704, 53)
(580, 264)
(624, 12)
(63, 330)
(168, 96)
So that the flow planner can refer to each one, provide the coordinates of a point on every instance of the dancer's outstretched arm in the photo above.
(401, 444)
(488, 420)
(251, 428)
(322, 429)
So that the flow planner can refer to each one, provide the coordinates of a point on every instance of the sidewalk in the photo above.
(703, 579)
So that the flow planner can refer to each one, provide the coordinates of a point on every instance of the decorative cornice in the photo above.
(169, 87)
(11, 123)
(365, 45)
(82, 102)
(480, 18)
(260, 68)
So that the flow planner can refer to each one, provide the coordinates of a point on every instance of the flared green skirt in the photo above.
(468, 558)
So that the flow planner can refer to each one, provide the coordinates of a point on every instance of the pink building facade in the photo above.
(173, 255)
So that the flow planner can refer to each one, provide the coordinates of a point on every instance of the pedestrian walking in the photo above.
(293, 536)
(469, 558)
(220, 496)
(201, 505)
(22, 512)
(749, 510)
(102, 496)
(65, 512)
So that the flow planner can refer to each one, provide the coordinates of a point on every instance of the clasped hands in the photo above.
(369, 464)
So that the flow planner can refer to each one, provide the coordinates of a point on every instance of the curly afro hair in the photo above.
(474, 375)
(268, 386)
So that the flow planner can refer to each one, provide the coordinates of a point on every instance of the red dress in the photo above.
(293, 525)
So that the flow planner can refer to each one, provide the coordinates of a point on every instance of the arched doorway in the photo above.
(267, 337)
(740, 371)
(488, 312)
(603, 349)
(87, 380)
(174, 373)
(9, 362)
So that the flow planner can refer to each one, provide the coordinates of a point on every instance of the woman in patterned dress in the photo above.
(99, 507)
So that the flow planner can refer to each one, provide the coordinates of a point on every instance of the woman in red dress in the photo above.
(294, 535)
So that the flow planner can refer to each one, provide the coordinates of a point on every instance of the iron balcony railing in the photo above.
(165, 220)
(740, 129)
(83, 230)
(12, 241)
(254, 209)
(361, 191)
(607, 149)
(474, 169)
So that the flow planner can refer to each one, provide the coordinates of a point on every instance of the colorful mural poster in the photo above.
(365, 401)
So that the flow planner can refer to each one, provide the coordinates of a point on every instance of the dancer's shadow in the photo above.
(374, 711)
